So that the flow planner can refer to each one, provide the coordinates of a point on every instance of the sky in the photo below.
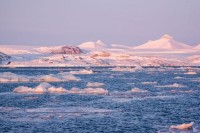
(71, 22)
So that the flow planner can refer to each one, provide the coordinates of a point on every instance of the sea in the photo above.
(144, 100)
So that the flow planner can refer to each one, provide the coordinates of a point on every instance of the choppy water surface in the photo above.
(145, 100)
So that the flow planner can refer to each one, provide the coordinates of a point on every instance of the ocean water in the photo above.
(166, 96)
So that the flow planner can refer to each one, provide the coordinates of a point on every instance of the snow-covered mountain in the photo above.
(67, 50)
(93, 45)
(46, 49)
(120, 46)
(165, 51)
(197, 47)
(194, 59)
(166, 42)
(59, 50)
(16, 49)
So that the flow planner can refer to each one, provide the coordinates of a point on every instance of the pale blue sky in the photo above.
(129, 22)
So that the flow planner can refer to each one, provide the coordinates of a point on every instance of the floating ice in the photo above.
(30, 97)
(48, 78)
(11, 77)
(130, 83)
(99, 91)
(190, 73)
(6, 109)
(47, 88)
(40, 114)
(65, 76)
(6, 77)
(56, 90)
(175, 85)
(178, 77)
(126, 69)
(186, 91)
(95, 84)
(149, 82)
(40, 89)
(196, 80)
(136, 90)
(184, 126)
(68, 110)
(84, 71)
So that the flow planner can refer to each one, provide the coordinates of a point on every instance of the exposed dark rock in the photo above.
(3, 57)
(67, 50)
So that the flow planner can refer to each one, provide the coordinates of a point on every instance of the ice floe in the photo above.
(6, 77)
(196, 80)
(68, 110)
(175, 85)
(30, 98)
(7, 109)
(184, 126)
(11, 77)
(84, 71)
(190, 73)
(186, 91)
(149, 82)
(40, 89)
(126, 69)
(41, 114)
(98, 91)
(178, 77)
(94, 84)
(47, 88)
(136, 90)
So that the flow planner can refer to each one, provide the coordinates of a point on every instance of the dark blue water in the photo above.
(118, 111)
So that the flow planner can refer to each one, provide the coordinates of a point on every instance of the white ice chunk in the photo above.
(126, 69)
(99, 91)
(190, 73)
(40, 89)
(56, 90)
(95, 84)
(186, 91)
(184, 126)
(47, 88)
(137, 90)
(65, 76)
(84, 71)
(149, 82)
(11, 77)
(175, 85)
(48, 78)
(178, 77)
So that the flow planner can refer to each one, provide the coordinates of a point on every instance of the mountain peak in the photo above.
(166, 42)
(168, 37)
(99, 42)
(93, 45)
(197, 47)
